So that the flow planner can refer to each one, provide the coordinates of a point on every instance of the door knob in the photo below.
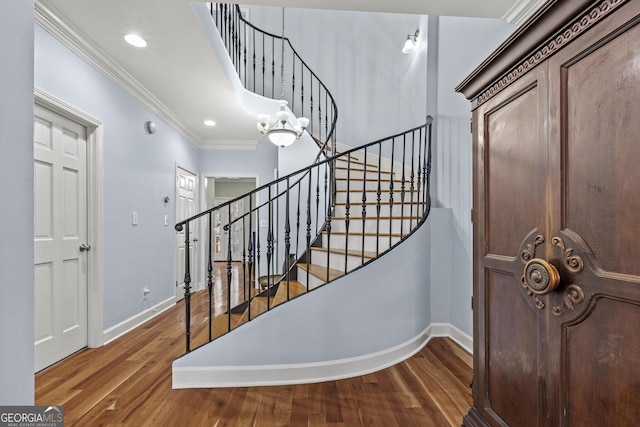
(540, 276)
(84, 247)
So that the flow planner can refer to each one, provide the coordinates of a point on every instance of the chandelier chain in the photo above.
(282, 59)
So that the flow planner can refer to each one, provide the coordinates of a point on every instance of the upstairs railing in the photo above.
(257, 57)
(286, 218)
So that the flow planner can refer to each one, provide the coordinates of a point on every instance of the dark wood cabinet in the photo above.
(556, 123)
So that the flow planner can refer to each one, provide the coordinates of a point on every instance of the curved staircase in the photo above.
(325, 220)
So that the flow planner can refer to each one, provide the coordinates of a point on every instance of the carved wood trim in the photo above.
(589, 18)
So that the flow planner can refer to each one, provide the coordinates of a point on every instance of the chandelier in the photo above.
(282, 132)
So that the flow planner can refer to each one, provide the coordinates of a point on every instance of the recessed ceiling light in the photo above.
(135, 40)
(209, 123)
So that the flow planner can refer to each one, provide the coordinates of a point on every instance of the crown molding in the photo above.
(521, 11)
(52, 21)
(241, 145)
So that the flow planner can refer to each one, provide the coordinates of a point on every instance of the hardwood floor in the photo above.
(128, 383)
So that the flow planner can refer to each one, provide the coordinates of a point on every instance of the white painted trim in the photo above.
(133, 322)
(51, 20)
(196, 286)
(303, 373)
(95, 209)
(521, 11)
(239, 145)
(450, 331)
(203, 199)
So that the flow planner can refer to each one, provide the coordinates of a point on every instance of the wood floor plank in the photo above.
(128, 383)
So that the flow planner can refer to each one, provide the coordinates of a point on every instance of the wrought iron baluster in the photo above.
(244, 260)
(420, 189)
(364, 204)
(308, 252)
(311, 107)
(347, 208)
(428, 169)
(229, 267)
(391, 186)
(269, 247)
(287, 240)
(402, 185)
(412, 187)
(293, 82)
(273, 67)
(264, 65)
(187, 288)
(328, 220)
(317, 199)
(298, 222)
(378, 199)
(253, 61)
(210, 274)
(251, 265)
(301, 89)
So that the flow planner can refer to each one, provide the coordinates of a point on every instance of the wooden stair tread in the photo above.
(367, 254)
(375, 202)
(295, 288)
(321, 272)
(373, 218)
(368, 179)
(357, 233)
(369, 169)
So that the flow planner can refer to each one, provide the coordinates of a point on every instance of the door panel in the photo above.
(509, 192)
(602, 188)
(60, 227)
(602, 348)
(594, 113)
(512, 351)
(515, 180)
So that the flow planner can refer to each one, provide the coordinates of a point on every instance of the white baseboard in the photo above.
(450, 331)
(305, 373)
(133, 322)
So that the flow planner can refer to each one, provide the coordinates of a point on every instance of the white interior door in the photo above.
(60, 237)
(186, 202)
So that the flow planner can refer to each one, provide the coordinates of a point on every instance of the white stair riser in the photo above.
(385, 210)
(355, 242)
(371, 225)
(355, 196)
(354, 173)
(314, 281)
(337, 261)
(357, 185)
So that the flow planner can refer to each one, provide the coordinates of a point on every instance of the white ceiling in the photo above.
(178, 74)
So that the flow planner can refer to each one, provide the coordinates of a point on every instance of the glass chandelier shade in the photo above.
(282, 132)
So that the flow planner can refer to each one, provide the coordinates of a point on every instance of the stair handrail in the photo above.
(419, 155)
(240, 36)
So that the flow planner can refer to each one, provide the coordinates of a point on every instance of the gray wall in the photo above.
(139, 170)
(370, 310)
(16, 193)
(463, 43)
(379, 90)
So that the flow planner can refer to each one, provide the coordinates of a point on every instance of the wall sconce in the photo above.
(411, 44)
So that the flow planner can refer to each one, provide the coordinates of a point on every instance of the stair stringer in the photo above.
(368, 320)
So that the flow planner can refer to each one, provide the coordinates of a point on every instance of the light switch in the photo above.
(166, 220)
(134, 218)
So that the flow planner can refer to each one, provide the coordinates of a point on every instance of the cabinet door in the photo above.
(510, 195)
(595, 194)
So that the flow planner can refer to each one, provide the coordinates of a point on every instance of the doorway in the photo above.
(186, 205)
(60, 237)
